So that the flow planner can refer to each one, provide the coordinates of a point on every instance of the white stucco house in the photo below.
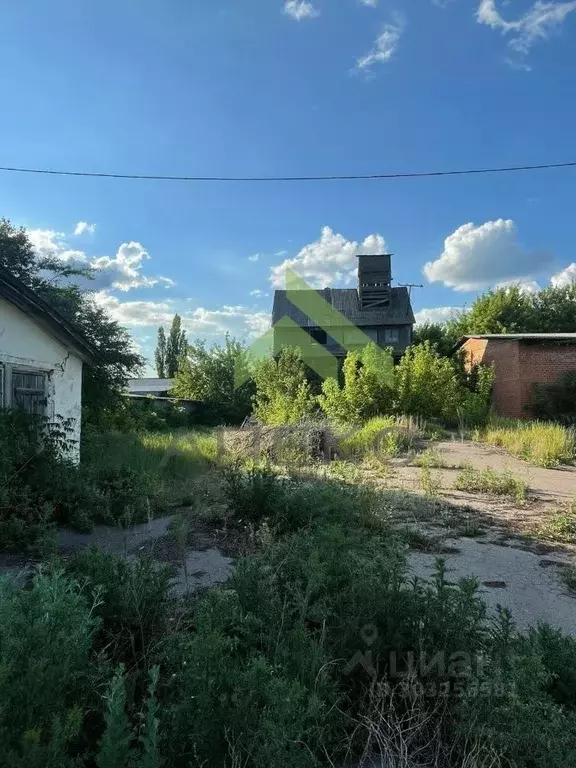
(41, 357)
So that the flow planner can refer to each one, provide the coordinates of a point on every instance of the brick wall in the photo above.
(543, 363)
(518, 366)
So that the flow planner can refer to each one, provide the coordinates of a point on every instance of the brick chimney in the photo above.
(374, 278)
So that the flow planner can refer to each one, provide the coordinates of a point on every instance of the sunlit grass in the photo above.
(542, 443)
(170, 462)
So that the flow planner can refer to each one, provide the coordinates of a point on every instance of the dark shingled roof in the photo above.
(345, 300)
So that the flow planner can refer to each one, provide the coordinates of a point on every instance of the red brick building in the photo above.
(520, 360)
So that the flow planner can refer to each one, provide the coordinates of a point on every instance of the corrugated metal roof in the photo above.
(571, 337)
(345, 300)
(149, 385)
(520, 336)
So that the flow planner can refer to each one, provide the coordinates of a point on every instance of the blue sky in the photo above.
(276, 87)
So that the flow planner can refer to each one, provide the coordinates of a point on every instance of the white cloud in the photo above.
(46, 242)
(436, 314)
(83, 227)
(383, 48)
(526, 286)
(329, 260)
(300, 9)
(259, 294)
(537, 23)
(136, 313)
(369, 3)
(237, 320)
(564, 278)
(255, 257)
(478, 257)
(122, 272)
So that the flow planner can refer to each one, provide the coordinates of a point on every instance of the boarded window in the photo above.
(29, 391)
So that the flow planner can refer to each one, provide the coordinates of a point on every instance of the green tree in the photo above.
(176, 348)
(436, 334)
(504, 310)
(283, 393)
(160, 354)
(367, 388)
(207, 374)
(555, 309)
(427, 384)
(116, 359)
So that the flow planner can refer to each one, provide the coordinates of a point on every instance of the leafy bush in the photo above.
(130, 601)
(283, 392)
(367, 388)
(528, 678)
(46, 672)
(555, 402)
(39, 485)
(255, 493)
(427, 384)
(538, 442)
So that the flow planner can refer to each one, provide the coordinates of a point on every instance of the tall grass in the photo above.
(167, 463)
(383, 435)
(543, 443)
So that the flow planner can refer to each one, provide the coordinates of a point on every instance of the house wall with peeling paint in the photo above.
(26, 347)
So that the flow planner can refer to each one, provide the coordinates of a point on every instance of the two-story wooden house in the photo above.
(340, 319)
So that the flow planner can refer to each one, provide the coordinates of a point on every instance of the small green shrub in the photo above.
(528, 715)
(46, 672)
(559, 526)
(255, 493)
(430, 458)
(568, 576)
(489, 481)
(131, 600)
(124, 493)
(366, 390)
(430, 482)
(283, 392)
(39, 486)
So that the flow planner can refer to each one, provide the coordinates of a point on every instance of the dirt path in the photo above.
(551, 486)
(522, 581)
(199, 565)
(549, 490)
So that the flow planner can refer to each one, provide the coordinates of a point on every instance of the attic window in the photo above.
(391, 335)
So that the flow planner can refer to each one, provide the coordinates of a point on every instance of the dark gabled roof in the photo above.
(17, 293)
(345, 300)
(528, 337)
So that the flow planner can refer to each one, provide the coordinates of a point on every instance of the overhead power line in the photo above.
(359, 177)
